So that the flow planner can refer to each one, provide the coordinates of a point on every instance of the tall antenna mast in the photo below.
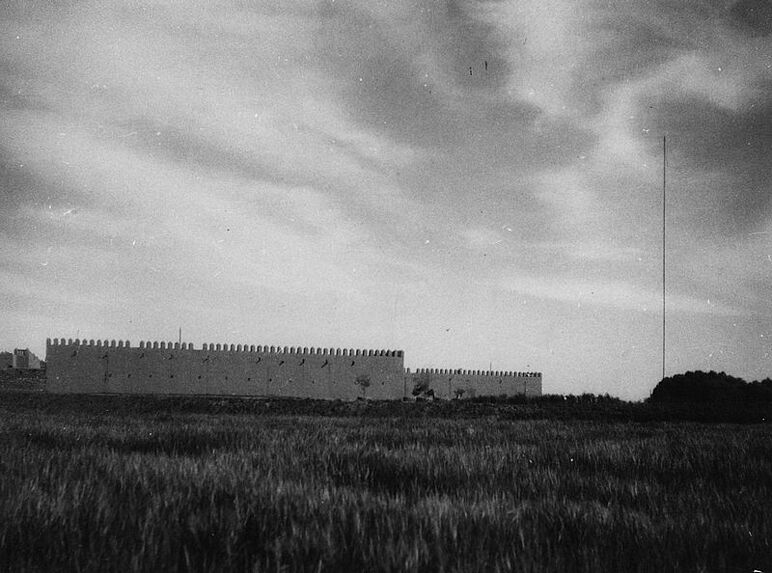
(664, 196)
(180, 335)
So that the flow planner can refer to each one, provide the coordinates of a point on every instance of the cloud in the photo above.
(615, 294)
(318, 162)
(753, 17)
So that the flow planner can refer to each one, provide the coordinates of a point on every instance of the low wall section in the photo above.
(167, 368)
(470, 383)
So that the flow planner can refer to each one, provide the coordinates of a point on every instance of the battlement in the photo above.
(462, 372)
(92, 342)
(309, 351)
(218, 347)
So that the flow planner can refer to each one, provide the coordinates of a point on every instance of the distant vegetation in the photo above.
(111, 483)
(31, 380)
(701, 387)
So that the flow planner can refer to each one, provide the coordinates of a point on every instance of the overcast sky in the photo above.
(475, 183)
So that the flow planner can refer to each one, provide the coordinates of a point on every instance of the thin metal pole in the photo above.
(664, 196)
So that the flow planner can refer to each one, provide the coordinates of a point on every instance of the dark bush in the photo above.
(702, 387)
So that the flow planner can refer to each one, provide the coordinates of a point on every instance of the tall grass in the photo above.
(116, 491)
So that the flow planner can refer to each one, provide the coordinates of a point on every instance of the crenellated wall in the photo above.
(174, 368)
(447, 383)
(102, 366)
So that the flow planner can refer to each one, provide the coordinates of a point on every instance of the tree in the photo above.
(363, 381)
(421, 386)
(717, 387)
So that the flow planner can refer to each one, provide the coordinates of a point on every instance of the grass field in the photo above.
(87, 484)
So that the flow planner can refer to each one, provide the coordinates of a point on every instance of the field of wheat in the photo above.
(111, 489)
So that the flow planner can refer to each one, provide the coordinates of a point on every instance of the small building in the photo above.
(23, 359)
(6, 360)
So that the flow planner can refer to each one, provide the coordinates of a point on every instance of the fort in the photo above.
(102, 366)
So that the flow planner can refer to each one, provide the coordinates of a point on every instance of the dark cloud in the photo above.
(378, 80)
(415, 87)
(188, 145)
(627, 47)
(753, 16)
(725, 156)
(17, 91)
(38, 203)
(191, 146)
(471, 50)
(424, 87)
(24, 183)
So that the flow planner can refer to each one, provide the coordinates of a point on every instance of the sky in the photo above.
(478, 184)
